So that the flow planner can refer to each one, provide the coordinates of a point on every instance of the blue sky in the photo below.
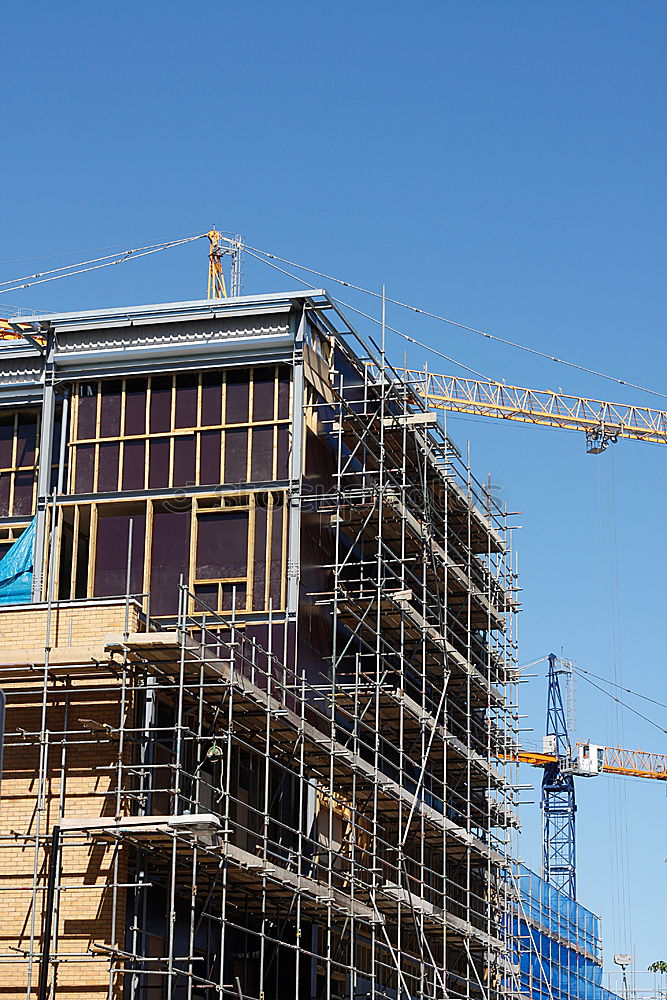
(500, 163)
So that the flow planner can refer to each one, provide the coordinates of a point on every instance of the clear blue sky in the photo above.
(501, 163)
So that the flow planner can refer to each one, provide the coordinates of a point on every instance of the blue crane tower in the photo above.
(558, 804)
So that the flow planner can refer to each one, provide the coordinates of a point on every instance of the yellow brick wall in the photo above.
(25, 627)
(85, 917)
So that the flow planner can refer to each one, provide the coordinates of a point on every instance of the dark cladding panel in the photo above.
(237, 397)
(209, 458)
(55, 450)
(6, 441)
(107, 471)
(110, 409)
(26, 444)
(282, 470)
(320, 461)
(185, 450)
(85, 468)
(263, 392)
(5, 481)
(170, 557)
(283, 393)
(276, 564)
(113, 531)
(87, 405)
(261, 454)
(23, 484)
(236, 456)
(211, 399)
(160, 404)
(208, 595)
(158, 471)
(186, 401)
(222, 545)
(259, 569)
(234, 597)
(134, 461)
(135, 406)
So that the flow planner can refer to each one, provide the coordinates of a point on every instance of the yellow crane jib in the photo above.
(603, 422)
(589, 759)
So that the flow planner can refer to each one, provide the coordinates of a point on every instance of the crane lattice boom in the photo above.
(634, 762)
(600, 420)
(609, 760)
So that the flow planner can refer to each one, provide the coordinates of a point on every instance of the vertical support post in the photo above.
(296, 468)
(54, 865)
(44, 469)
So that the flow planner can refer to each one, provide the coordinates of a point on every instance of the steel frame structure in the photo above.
(343, 754)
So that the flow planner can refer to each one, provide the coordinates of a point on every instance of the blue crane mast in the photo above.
(558, 803)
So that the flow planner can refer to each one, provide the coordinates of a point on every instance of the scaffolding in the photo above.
(306, 797)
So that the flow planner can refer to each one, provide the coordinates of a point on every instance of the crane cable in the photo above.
(375, 320)
(619, 701)
(268, 257)
(644, 697)
(42, 277)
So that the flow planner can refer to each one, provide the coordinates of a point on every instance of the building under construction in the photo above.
(259, 661)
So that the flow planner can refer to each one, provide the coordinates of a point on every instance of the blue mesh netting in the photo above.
(557, 944)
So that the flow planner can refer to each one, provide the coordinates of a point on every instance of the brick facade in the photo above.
(89, 711)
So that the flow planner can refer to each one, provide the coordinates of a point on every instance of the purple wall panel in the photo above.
(208, 595)
(87, 412)
(5, 480)
(283, 393)
(261, 455)
(259, 570)
(236, 455)
(186, 401)
(135, 406)
(170, 557)
(211, 399)
(222, 545)
(158, 471)
(262, 405)
(27, 440)
(111, 553)
(160, 404)
(85, 467)
(275, 585)
(237, 397)
(234, 596)
(184, 460)
(107, 471)
(110, 409)
(23, 483)
(282, 471)
(209, 458)
(134, 459)
(6, 441)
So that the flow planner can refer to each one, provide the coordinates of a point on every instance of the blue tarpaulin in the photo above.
(16, 568)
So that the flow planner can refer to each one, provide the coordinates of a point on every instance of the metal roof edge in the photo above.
(161, 309)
